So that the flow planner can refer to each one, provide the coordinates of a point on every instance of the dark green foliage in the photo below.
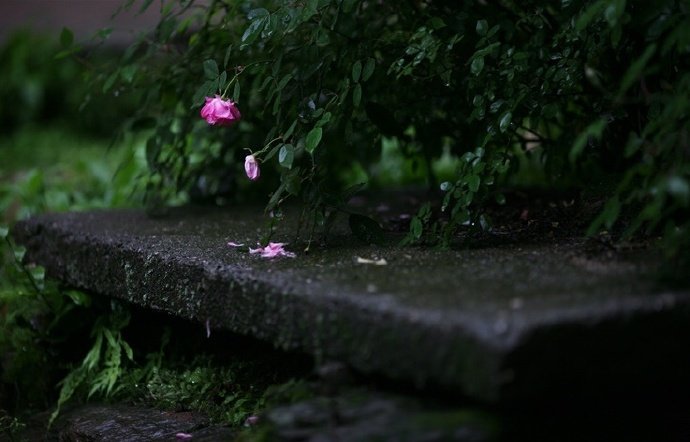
(52, 336)
(42, 326)
(590, 92)
(227, 392)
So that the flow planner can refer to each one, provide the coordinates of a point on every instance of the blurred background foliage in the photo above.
(56, 154)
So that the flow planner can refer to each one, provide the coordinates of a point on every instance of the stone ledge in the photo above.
(492, 323)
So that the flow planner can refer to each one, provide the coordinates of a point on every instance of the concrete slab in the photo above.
(514, 321)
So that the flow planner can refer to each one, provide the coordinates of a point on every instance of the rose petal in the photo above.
(272, 250)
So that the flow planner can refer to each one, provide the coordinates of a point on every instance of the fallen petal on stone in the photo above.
(234, 244)
(376, 262)
(272, 250)
(183, 436)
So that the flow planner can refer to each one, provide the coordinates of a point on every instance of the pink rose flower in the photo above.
(251, 166)
(272, 250)
(220, 112)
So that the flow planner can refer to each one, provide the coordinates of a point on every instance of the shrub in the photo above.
(595, 92)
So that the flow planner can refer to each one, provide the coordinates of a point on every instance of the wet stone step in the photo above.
(120, 422)
(515, 321)
(355, 414)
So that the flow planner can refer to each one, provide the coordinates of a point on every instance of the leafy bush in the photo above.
(594, 92)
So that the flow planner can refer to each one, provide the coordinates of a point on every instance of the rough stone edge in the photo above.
(340, 327)
(464, 357)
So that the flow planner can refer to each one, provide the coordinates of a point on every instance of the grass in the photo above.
(50, 168)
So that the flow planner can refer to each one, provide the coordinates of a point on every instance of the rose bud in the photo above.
(251, 166)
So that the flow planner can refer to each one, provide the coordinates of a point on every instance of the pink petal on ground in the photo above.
(234, 244)
(272, 250)
(183, 436)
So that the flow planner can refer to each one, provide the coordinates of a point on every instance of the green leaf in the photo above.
(477, 65)
(482, 27)
(38, 274)
(226, 59)
(369, 67)
(286, 155)
(257, 13)
(588, 15)
(357, 95)
(356, 71)
(127, 349)
(211, 69)
(94, 355)
(283, 82)
(290, 130)
(310, 9)
(487, 50)
(504, 123)
(222, 80)
(236, 92)
(276, 197)
(636, 69)
(19, 253)
(416, 227)
(128, 72)
(607, 217)
(473, 182)
(253, 31)
(66, 38)
(204, 91)
(110, 81)
(271, 153)
(614, 11)
(366, 229)
(80, 299)
(313, 139)
(292, 181)
(324, 120)
(272, 25)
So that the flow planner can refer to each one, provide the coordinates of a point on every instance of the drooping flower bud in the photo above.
(251, 166)
(219, 112)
